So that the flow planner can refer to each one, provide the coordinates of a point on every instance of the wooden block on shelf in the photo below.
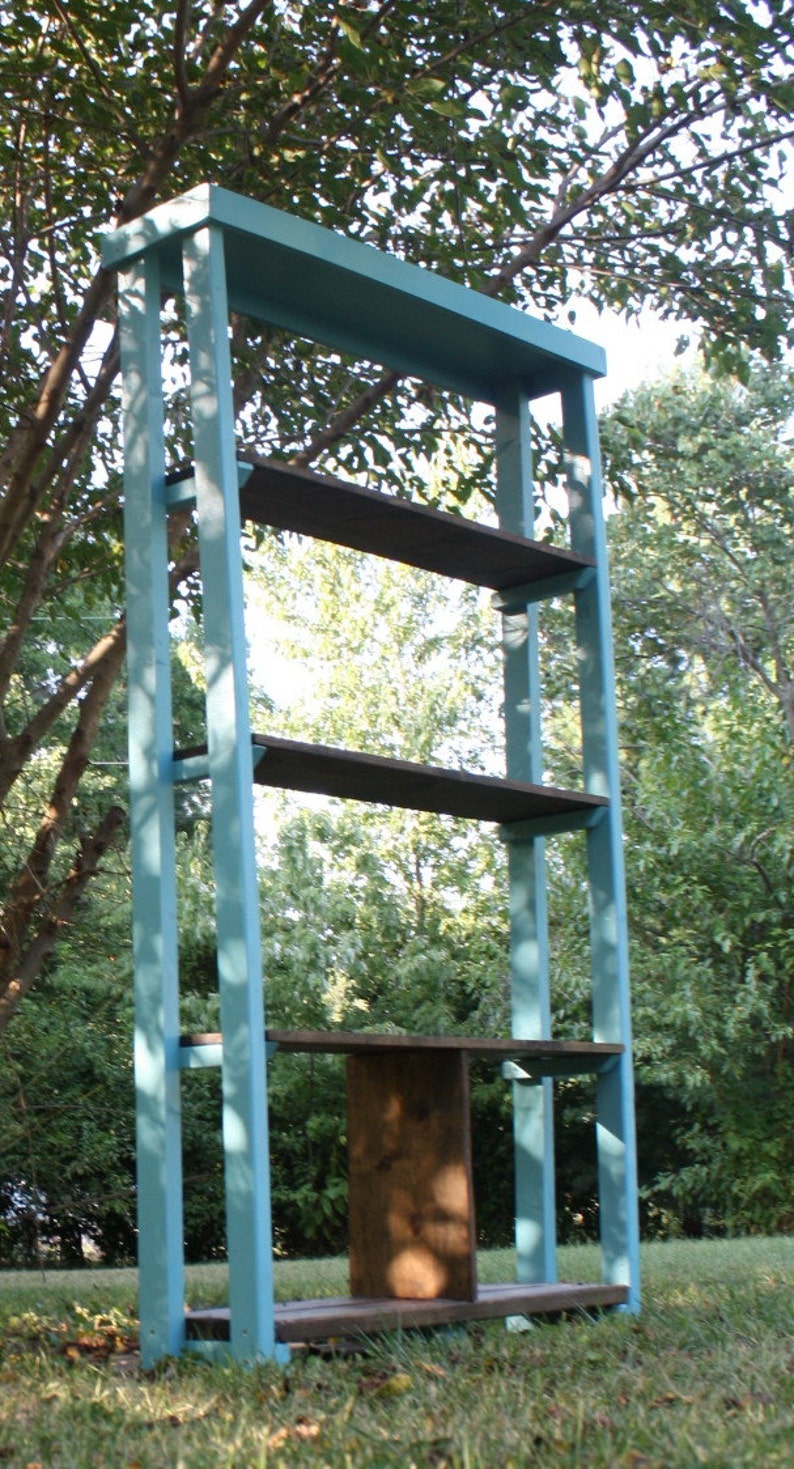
(411, 1201)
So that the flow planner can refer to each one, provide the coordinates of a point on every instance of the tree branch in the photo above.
(179, 53)
(21, 975)
(630, 159)
(25, 444)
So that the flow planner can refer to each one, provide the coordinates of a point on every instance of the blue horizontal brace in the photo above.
(190, 767)
(220, 1351)
(514, 599)
(559, 1068)
(195, 1058)
(180, 492)
(180, 489)
(512, 1071)
(197, 767)
(548, 826)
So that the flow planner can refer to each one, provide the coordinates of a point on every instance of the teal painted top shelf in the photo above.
(356, 299)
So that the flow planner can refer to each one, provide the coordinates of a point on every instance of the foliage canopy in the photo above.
(533, 150)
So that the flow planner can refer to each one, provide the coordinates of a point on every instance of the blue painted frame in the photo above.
(227, 253)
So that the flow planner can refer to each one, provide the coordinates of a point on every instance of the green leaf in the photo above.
(350, 31)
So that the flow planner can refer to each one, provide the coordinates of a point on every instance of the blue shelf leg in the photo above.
(245, 1134)
(617, 1163)
(536, 1251)
(155, 938)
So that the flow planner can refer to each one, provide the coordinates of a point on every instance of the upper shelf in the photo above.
(320, 284)
(294, 499)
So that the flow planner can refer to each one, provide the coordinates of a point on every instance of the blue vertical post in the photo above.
(536, 1253)
(245, 1132)
(617, 1166)
(155, 933)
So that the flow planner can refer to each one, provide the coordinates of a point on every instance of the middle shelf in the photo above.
(351, 775)
(558, 1058)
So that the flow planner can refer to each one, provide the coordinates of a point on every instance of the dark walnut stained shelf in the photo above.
(350, 775)
(537, 1057)
(329, 509)
(290, 498)
(306, 1321)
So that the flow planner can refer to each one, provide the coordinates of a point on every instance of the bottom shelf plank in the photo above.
(301, 1321)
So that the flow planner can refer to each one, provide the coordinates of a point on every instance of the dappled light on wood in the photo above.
(411, 1203)
(426, 1236)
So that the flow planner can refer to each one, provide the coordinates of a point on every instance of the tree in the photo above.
(705, 636)
(533, 150)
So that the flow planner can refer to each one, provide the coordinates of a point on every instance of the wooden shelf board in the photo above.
(546, 1057)
(498, 1048)
(293, 765)
(294, 499)
(301, 1321)
(354, 776)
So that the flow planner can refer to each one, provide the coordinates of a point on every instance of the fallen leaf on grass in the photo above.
(749, 1400)
(432, 1369)
(385, 1384)
(302, 1431)
(187, 1414)
(98, 1345)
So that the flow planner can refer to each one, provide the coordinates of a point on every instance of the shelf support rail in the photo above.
(615, 1126)
(155, 928)
(244, 1067)
(533, 1117)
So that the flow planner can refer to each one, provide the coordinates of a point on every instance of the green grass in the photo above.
(704, 1376)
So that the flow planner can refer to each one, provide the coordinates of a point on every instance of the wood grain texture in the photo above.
(295, 499)
(317, 1320)
(411, 1201)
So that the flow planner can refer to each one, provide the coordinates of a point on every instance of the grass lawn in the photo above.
(704, 1376)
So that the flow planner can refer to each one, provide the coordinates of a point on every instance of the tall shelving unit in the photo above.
(227, 253)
